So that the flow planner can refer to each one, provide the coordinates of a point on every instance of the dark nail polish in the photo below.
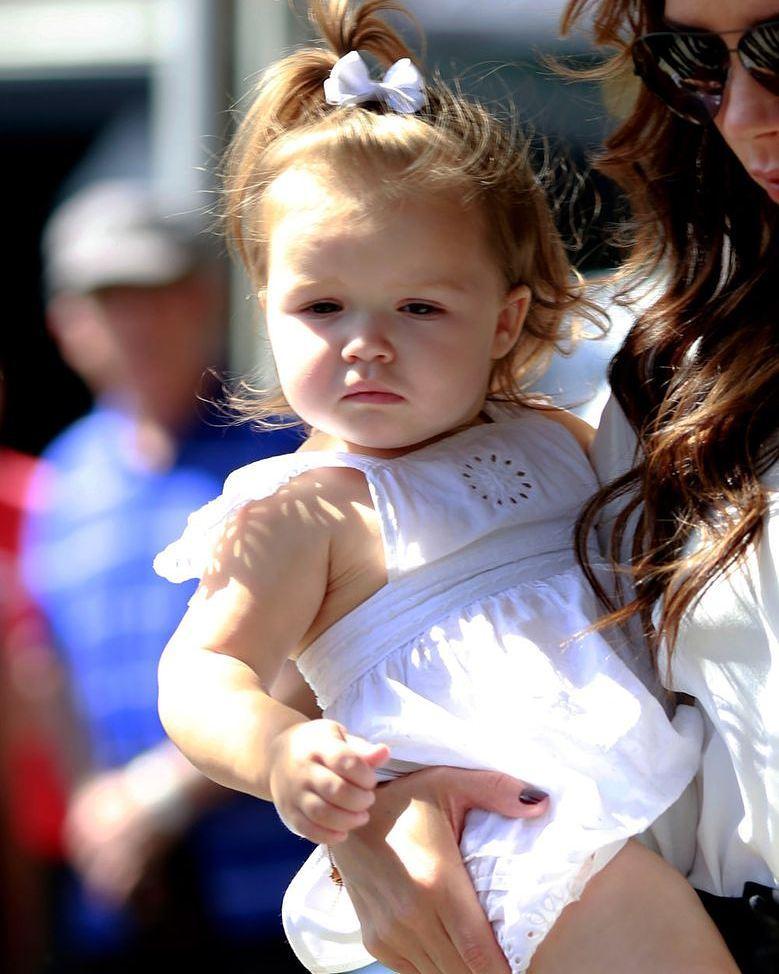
(532, 796)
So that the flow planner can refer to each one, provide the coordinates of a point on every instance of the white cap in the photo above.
(112, 233)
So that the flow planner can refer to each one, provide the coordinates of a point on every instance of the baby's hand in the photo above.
(322, 782)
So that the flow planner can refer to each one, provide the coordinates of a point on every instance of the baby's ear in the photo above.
(510, 320)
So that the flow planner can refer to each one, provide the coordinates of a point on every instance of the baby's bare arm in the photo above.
(637, 916)
(268, 592)
(264, 587)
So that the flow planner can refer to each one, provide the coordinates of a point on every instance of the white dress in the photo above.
(725, 831)
(474, 655)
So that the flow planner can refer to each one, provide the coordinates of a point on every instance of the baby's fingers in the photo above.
(339, 792)
(300, 824)
(326, 816)
(375, 754)
(342, 759)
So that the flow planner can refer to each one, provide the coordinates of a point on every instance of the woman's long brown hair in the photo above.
(697, 375)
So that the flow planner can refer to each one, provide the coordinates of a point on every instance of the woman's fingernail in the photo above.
(532, 796)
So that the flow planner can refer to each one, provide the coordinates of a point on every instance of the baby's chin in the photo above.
(333, 442)
(376, 446)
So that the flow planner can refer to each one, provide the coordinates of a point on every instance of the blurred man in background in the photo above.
(164, 867)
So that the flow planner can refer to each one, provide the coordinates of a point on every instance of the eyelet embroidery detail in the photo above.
(496, 479)
(532, 927)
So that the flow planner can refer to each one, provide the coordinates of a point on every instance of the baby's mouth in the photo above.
(374, 396)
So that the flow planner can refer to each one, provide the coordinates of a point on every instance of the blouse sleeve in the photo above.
(613, 453)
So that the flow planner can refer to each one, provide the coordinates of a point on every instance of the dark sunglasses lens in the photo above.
(759, 53)
(688, 71)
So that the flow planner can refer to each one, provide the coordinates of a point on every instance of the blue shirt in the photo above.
(88, 562)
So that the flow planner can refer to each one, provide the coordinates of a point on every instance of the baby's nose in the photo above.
(368, 341)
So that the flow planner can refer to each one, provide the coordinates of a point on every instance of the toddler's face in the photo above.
(384, 320)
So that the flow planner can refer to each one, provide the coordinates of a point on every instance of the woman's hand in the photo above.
(415, 901)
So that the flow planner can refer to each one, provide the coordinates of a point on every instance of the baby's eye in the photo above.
(323, 307)
(421, 309)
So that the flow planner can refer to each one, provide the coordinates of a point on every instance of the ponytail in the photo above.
(346, 28)
(290, 96)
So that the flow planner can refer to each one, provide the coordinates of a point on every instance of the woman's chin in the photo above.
(773, 192)
(769, 184)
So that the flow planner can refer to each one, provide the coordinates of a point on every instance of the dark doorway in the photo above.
(47, 128)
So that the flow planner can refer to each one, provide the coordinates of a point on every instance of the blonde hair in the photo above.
(451, 145)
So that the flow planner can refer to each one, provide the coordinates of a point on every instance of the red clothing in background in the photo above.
(32, 788)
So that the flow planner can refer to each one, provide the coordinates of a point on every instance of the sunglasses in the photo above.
(688, 69)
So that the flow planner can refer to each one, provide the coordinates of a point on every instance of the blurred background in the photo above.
(117, 304)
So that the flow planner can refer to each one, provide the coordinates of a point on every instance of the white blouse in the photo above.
(727, 657)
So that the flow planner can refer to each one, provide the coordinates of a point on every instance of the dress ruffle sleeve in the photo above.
(190, 555)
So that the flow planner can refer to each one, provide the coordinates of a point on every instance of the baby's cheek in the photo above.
(308, 384)
(295, 354)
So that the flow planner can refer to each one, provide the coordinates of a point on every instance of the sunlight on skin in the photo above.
(239, 554)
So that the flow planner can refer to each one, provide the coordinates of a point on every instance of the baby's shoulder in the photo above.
(339, 501)
(287, 501)
(301, 477)
(581, 431)
(324, 517)
(317, 500)
(339, 487)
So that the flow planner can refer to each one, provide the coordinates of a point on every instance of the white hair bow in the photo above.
(402, 87)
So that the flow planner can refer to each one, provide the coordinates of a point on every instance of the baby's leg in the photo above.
(637, 916)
